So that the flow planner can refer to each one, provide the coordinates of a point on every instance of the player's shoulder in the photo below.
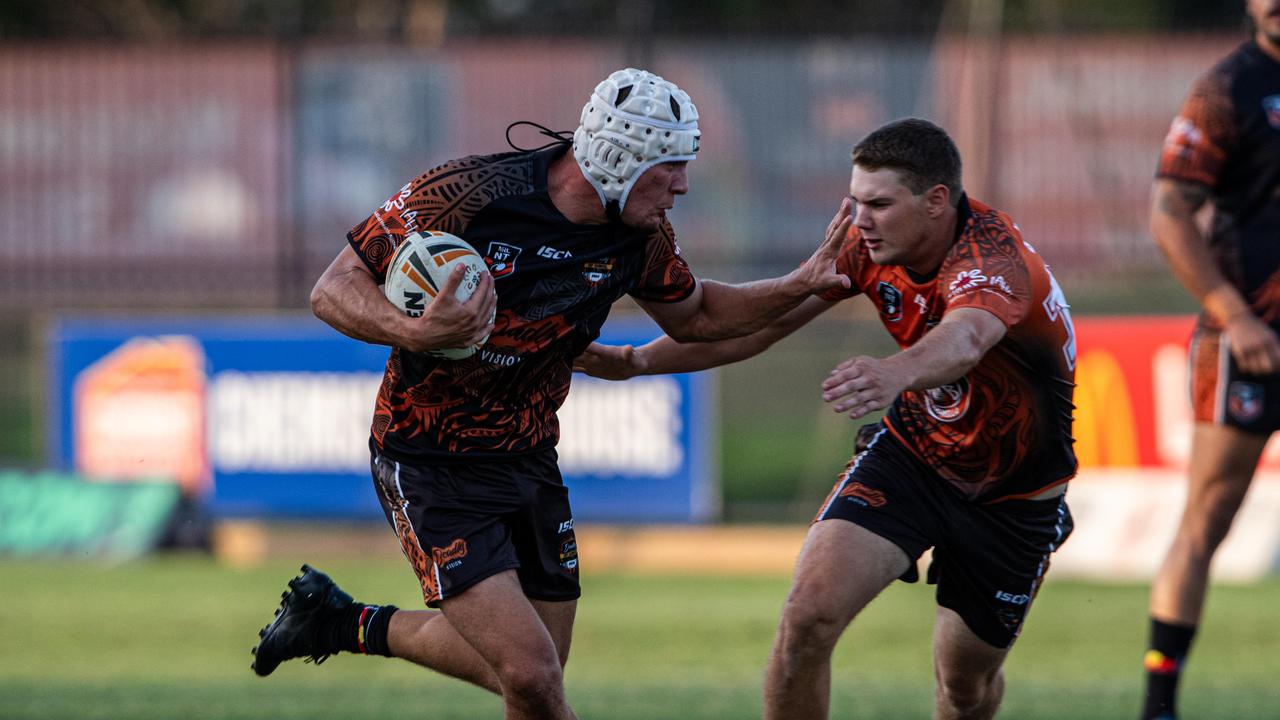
(984, 225)
(989, 243)
(1241, 65)
(1246, 59)
(509, 167)
(665, 234)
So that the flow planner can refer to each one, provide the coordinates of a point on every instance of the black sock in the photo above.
(375, 622)
(1163, 662)
(358, 629)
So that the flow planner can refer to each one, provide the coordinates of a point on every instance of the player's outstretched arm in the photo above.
(347, 297)
(861, 385)
(716, 311)
(1174, 204)
(664, 355)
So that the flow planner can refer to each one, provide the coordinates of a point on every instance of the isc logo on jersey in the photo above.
(421, 266)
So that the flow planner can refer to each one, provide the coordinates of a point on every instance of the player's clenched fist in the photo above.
(448, 323)
(862, 385)
(609, 362)
(1254, 345)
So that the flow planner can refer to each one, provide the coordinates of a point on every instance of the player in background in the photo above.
(974, 455)
(463, 451)
(1223, 149)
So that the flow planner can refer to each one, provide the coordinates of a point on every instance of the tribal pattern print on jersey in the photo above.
(1004, 429)
(1227, 137)
(555, 282)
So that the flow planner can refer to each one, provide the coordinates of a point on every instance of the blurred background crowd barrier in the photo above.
(160, 177)
(212, 181)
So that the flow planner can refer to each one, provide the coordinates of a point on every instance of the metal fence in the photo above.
(227, 175)
(141, 177)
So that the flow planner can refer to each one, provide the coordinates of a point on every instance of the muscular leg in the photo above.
(506, 631)
(841, 568)
(970, 683)
(1223, 461)
(427, 638)
(558, 618)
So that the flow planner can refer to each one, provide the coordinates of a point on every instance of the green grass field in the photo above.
(170, 638)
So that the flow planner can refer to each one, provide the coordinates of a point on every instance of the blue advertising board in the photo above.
(269, 416)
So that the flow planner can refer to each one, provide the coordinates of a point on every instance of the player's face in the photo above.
(654, 194)
(1266, 17)
(891, 219)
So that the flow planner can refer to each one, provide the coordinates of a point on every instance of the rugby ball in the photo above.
(421, 266)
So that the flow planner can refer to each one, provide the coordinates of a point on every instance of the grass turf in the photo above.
(170, 637)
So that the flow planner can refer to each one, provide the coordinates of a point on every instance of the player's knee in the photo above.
(1215, 532)
(810, 628)
(1218, 496)
(1208, 527)
(1222, 511)
(966, 693)
(532, 684)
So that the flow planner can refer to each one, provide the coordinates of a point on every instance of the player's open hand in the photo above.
(448, 323)
(818, 273)
(609, 362)
(861, 385)
(1254, 345)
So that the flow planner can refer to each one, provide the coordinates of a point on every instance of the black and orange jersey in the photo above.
(1227, 137)
(555, 282)
(1004, 429)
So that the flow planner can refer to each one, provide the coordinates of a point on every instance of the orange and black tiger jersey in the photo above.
(1227, 137)
(555, 282)
(1004, 429)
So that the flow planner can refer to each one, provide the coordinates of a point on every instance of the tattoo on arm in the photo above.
(1182, 197)
(1193, 194)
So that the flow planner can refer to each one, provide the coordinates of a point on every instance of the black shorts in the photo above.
(988, 559)
(460, 523)
(1224, 395)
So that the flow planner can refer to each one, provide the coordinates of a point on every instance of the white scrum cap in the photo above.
(633, 121)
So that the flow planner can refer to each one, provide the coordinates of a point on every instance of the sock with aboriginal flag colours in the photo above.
(360, 629)
(1163, 663)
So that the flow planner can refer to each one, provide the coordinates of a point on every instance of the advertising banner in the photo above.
(1133, 405)
(269, 416)
(61, 514)
(1133, 425)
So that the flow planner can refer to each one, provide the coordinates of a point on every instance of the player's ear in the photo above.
(937, 199)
